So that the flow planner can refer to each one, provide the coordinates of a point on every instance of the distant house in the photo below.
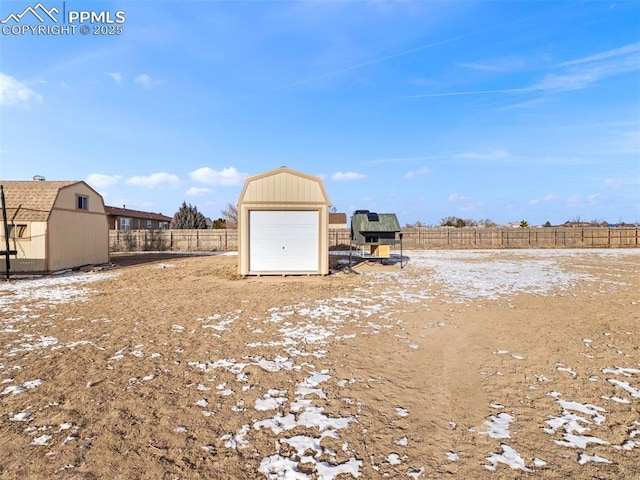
(577, 224)
(53, 225)
(337, 220)
(127, 219)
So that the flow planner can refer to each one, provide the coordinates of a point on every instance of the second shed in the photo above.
(283, 224)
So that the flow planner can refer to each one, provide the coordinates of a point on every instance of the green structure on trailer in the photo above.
(376, 230)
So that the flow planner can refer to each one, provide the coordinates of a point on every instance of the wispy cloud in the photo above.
(424, 82)
(345, 176)
(573, 74)
(501, 65)
(227, 176)
(468, 92)
(622, 182)
(632, 48)
(454, 198)
(379, 161)
(144, 80)
(490, 155)
(100, 180)
(155, 180)
(198, 192)
(583, 201)
(13, 92)
(577, 79)
(545, 199)
(117, 77)
(417, 173)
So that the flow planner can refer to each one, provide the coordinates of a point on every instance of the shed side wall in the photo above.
(31, 256)
(77, 237)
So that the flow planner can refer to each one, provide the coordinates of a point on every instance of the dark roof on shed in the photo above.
(31, 201)
(375, 222)
(127, 212)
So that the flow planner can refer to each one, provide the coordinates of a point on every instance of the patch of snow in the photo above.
(627, 372)
(394, 459)
(499, 425)
(403, 442)
(634, 392)
(402, 412)
(42, 440)
(15, 389)
(237, 441)
(415, 473)
(584, 458)
(509, 457)
(573, 426)
(23, 416)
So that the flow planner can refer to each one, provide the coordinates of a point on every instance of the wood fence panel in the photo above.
(413, 238)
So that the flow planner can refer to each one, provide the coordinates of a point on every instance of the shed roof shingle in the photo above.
(31, 201)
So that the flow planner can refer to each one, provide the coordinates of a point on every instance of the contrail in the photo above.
(411, 51)
(473, 92)
(368, 62)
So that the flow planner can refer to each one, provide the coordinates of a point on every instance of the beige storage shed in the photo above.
(283, 225)
(54, 225)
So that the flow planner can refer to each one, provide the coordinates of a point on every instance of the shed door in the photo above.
(283, 240)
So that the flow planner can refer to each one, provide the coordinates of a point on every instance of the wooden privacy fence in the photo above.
(542, 237)
(173, 240)
(413, 238)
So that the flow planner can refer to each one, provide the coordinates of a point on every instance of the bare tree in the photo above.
(487, 223)
(230, 215)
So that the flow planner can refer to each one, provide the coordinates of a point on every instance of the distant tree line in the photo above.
(458, 222)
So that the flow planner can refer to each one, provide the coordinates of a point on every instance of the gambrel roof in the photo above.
(31, 201)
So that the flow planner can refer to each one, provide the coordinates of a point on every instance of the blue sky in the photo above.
(496, 110)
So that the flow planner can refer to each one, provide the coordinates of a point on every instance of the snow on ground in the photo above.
(305, 335)
(45, 291)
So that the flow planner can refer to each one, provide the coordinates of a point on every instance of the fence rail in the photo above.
(416, 238)
(173, 240)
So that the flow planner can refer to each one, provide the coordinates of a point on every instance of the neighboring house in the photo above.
(127, 219)
(337, 220)
(577, 224)
(54, 226)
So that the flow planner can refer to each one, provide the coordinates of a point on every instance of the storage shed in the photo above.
(283, 224)
(54, 225)
(377, 230)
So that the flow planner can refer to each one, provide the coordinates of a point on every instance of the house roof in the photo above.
(340, 218)
(127, 212)
(31, 201)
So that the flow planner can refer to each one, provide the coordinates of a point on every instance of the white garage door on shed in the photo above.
(283, 240)
(283, 224)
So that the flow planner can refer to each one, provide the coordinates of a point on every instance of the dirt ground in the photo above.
(477, 364)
